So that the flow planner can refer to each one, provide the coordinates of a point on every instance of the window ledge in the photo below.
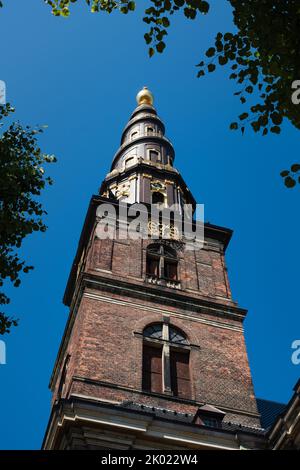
(151, 279)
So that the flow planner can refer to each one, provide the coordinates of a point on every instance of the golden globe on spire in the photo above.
(144, 97)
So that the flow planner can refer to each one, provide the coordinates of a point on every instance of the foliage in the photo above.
(291, 176)
(263, 53)
(157, 16)
(62, 7)
(21, 181)
(264, 56)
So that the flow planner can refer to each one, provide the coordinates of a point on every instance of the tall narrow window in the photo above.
(166, 361)
(158, 198)
(162, 262)
(149, 130)
(153, 155)
(170, 268)
(152, 368)
(180, 373)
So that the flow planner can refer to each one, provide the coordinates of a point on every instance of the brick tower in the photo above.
(153, 354)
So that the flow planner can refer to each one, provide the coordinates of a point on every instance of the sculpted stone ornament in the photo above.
(157, 186)
(163, 231)
(123, 190)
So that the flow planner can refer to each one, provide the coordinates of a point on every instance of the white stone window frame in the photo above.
(149, 130)
(134, 134)
(166, 356)
(158, 152)
(127, 159)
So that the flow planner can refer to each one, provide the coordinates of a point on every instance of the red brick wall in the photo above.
(105, 343)
(200, 271)
(104, 347)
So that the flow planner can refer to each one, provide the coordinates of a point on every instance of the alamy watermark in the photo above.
(2, 92)
(296, 354)
(2, 343)
(2, 352)
(296, 94)
(135, 222)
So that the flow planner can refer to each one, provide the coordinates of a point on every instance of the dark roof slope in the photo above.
(269, 411)
(186, 418)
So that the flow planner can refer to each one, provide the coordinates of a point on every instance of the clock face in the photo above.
(2, 92)
(157, 185)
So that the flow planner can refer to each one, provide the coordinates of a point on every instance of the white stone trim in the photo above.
(111, 300)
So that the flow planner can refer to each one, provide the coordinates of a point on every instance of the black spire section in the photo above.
(142, 169)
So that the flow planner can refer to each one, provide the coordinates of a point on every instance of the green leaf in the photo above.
(255, 126)
(243, 116)
(179, 3)
(228, 36)
(160, 47)
(295, 167)
(276, 118)
(204, 7)
(131, 6)
(289, 182)
(223, 60)
(165, 22)
(210, 52)
(151, 51)
(147, 38)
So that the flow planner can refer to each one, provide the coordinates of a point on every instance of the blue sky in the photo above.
(80, 76)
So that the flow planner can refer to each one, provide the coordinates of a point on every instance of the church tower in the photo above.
(153, 355)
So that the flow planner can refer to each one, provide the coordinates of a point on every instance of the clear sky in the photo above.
(80, 76)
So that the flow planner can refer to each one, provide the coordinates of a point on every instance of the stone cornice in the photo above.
(102, 417)
(163, 296)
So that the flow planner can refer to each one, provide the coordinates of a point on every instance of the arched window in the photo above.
(134, 134)
(129, 161)
(153, 156)
(158, 198)
(161, 262)
(166, 356)
(149, 130)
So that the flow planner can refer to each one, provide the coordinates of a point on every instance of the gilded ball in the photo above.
(144, 96)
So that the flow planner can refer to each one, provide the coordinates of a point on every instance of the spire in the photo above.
(143, 136)
(142, 168)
